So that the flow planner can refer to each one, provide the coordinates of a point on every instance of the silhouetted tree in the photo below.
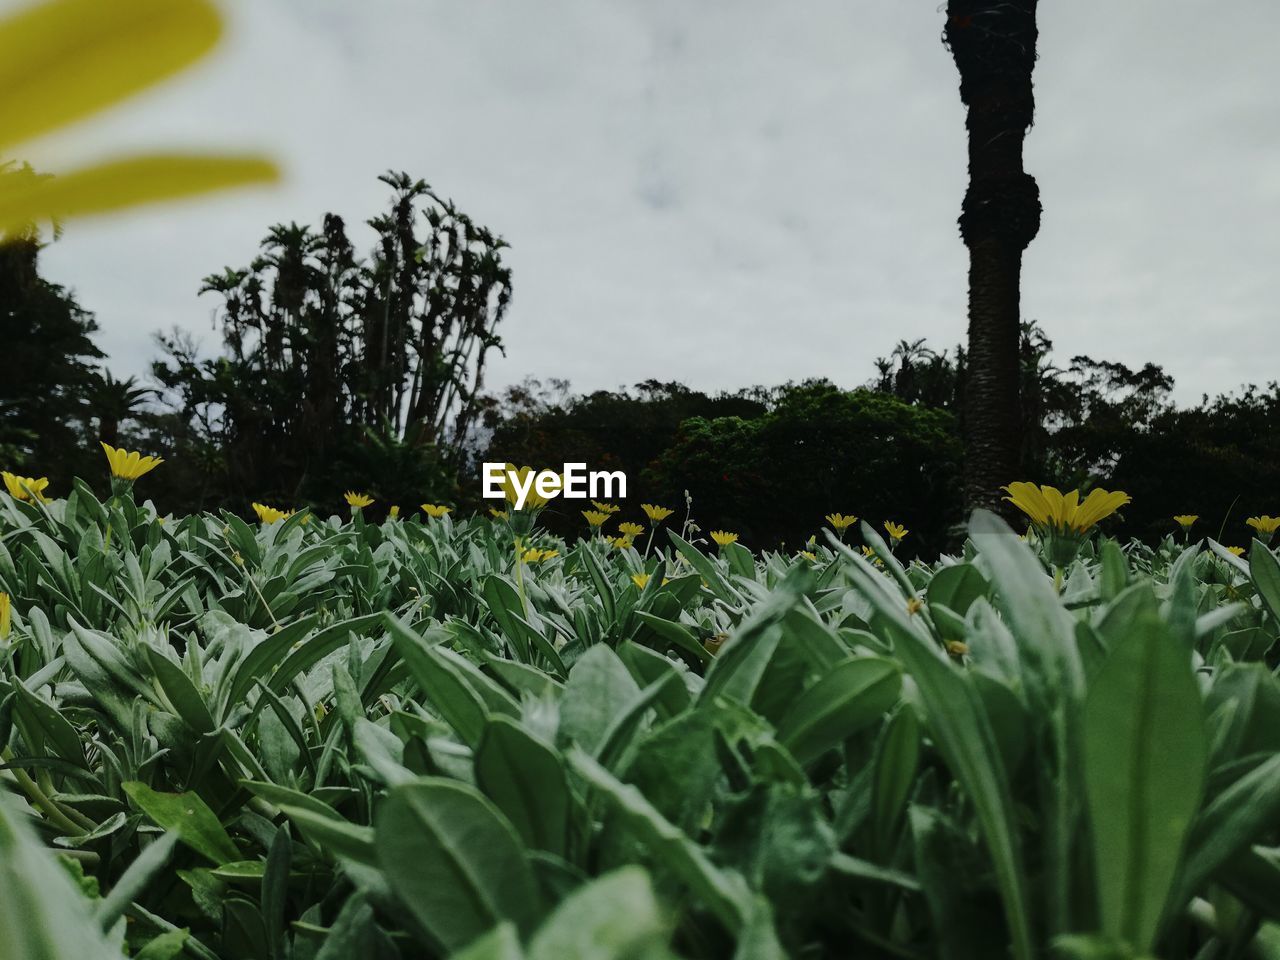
(993, 43)
(329, 358)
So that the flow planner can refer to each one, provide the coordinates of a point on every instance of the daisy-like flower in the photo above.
(655, 513)
(357, 499)
(434, 510)
(641, 580)
(609, 508)
(723, 537)
(840, 522)
(25, 488)
(126, 465)
(61, 62)
(1265, 525)
(622, 542)
(810, 556)
(533, 500)
(1053, 511)
(534, 555)
(631, 529)
(1063, 520)
(1236, 551)
(595, 518)
(871, 556)
(897, 532)
(270, 514)
(1185, 520)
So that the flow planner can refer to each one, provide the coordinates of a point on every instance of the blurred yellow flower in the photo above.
(595, 518)
(622, 543)
(1050, 509)
(840, 522)
(6, 615)
(129, 466)
(1185, 520)
(62, 61)
(871, 555)
(1235, 551)
(498, 514)
(394, 512)
(723, 537)
(811, 557)
(270, 514)
(357, 499)
(896, 531)
(435, 511)
(655, 514)
(1264, 524)
(631, 529)
(25, 488)
(534, 555)
(533, 500)
(641, 580)
(609, 508)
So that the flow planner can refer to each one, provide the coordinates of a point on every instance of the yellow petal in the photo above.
(63, 60)
(125, 183)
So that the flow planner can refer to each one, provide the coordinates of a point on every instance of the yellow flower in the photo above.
(62, 61)
(1264, 524)
(641, 580)
(1185, 520)
(270, 514)
(811, 557)
(956, 648)
(6, 614)
(654, 513)
(723, 537)
(896, 531)
(394, 512)
(129, 466)
(595, 518)
(533, 500)
(1235, 551)
(605, 507)
(25, 488)
(622, 543)
(839, 522)
(871, 555)
(914, 606)
(435, 511)
(631, 529)
(357, 499)
(1052, 510)
(534, 555)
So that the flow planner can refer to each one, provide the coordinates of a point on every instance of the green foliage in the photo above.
(319, 739)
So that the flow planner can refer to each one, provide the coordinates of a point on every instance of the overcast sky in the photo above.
(729, 192)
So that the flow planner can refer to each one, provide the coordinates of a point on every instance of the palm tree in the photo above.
(993, 43)
(113, 402)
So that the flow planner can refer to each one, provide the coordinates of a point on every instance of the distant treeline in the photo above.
(339, 371)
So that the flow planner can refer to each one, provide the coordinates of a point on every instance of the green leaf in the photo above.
(187, 815)
(525, 778)
(454, 861)
(851, 697)
(1145, 753)
(614, 917)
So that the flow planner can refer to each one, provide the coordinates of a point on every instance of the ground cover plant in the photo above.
(434, 736)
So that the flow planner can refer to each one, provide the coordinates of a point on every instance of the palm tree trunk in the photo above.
(993, 43)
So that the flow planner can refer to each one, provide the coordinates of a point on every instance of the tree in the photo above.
(332, 363)
(993, 43)
(47, 367)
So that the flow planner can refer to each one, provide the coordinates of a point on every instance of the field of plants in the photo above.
(318, 738)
